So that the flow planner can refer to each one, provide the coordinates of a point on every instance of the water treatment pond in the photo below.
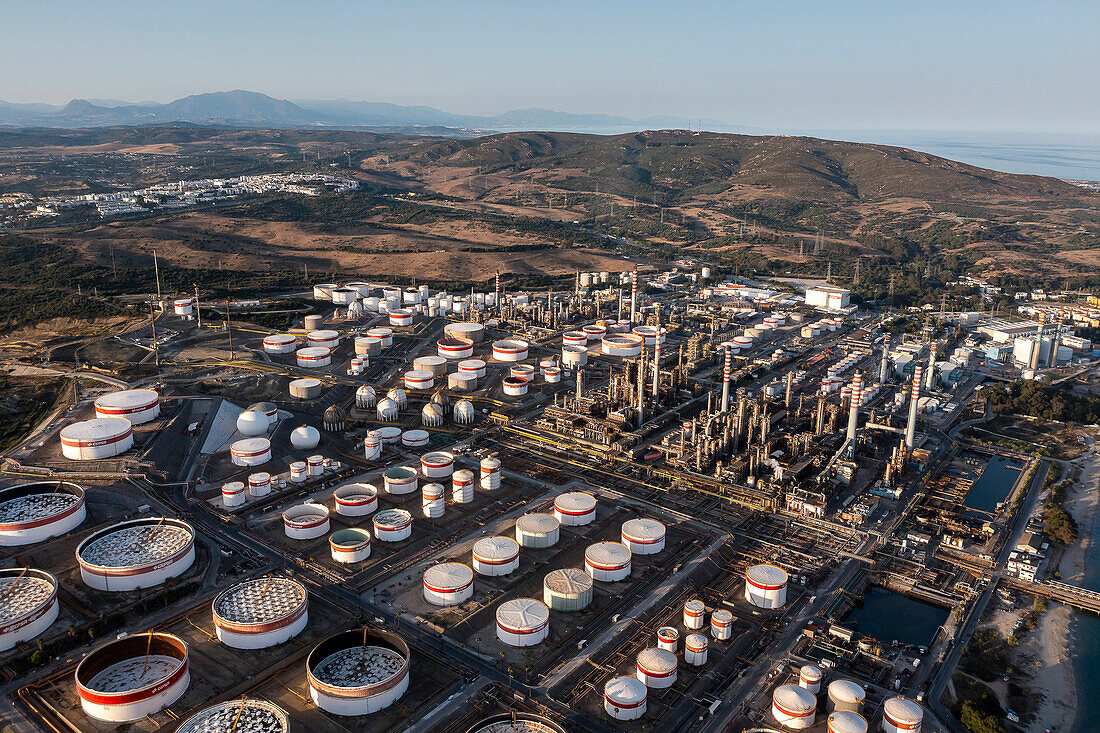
(992, 487)
(890, 616)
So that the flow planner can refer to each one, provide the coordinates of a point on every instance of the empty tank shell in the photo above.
(138, 553)
(313, 357)
(432, 500)
(129, 678)
(668, 637)
(280, 343)
(37, 511)
(392, 525)
(694, 613)
(643, 536)
(462, 382)
(30, 605)
(437, 464)
(414, 438)
(323, 291)
(260, 613)
(901, 715)
(537, 530)
(522, 622)
(766, 586)
(401, 317)
(400, 480)
(846, 722)
(510, 350)
(389, 435)
(648, 334)
(243, 715)
(473, 366)
(514, 386)
(448, 583)
(136, 405)
(349, 545)
(721, 624)
(594, 332)
(490, 474)
(306, 521)
(793, 707)
(495, 555)
(462, 486)
(846, 695)
(344, 296)
(98, 438)
(574, 356)
(450, 348)
(306, 388)
(575, 508)
(356, 499)
(466, 330)
(358, 672)
(656, 668)
(607, 561)
(624, 698)
(234, 493)
(695, 649)
(621, 344)
(419, 379)
(810, 677)
(567, 589)
(259, 483)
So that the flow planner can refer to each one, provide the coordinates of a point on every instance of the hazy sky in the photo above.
(881, 64)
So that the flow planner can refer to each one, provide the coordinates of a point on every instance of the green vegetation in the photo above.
(26, 401)
(1059, 524)
(986, 655)
(1048, 403)
(977, 707)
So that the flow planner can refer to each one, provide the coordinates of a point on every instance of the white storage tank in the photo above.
(358, 672)
(355, 499)
(461, 382)
(575, 338)
(621, 344)
(372, 446)
(136, 405)
(452, 348)
(694, 613)
(314, 357)
(721, 624)
(365, 397)
(510, 350)
(595, 331)
(624, 698)
(306, 388)
(656, 668)
(793, 707)
(432, 500)
(845, 695)
(243, 715)
(643, 536)
(437, 464)
(537, 530)
(384, 335)
(494, 556)
(350, 545)
(251, 423)
(514, 386)
(138, 553)
(490, 474)
(475, 367)
(810, 677)
(462, 486)
(575, 508)
(695, 649)
(607, 561)
(133, 677)
(234, 493)
(464, 411)
(324, 338)
(437, 365)
(400, 480)
(37, 511)
(298, 471)
(96, 439)
(526, 372)
(260, 613)
(567, 589)
(574, 356)
(386, 410)
(344, 296)
(414, 438)
(259, 484)
(467, 331)
(668, 637)
(419, 379)
(402, 317)
(183, 307)
(392, 525)
(29, 605)
(552, 375)
(522, 622)
(448, 583)
(306, 521)
(846, 722)
(766, 586)
(368, 345)
(901, 715)
(305, 437)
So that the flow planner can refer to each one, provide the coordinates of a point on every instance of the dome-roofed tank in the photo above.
(365, 397)
(431, 416)
(464, 412)
(252, 422)
(267, 408)
(387, 409)
(334, 420)
(399, 397)
(305, 437)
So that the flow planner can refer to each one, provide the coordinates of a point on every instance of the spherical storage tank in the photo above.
(386, 409)
(244, 715)
(624, 698)
(901, 715)
(464, 412)
(36, 511)
(656, 668)
(260, 613)
(355, 499)
(392, 525)
(845, 695)
(766, 586)
(607, 561)
(846, 722)
(305, 437)
(567, 589)
(643, 536)
(495, 555)
(306, 388)
(522, 622)
(29, 605)
(306, 521)
(448, 583)
(280, 343)
(349, 545)
(537, 530)
(136, 405)
(793, 707)
(99, 438)
(250, 451)
(510, 350)
(575, 508)
(431, 416)
(132, 677)
(358, 672)
(252, 423)
(138, 553)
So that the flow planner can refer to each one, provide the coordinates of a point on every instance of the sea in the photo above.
(1085, 636)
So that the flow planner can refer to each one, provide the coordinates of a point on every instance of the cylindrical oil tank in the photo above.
(846, 722)
(510, 350)
(467, 331)
(656, 668)
(793, 707)
(846, 695)
(462, 486)
(30, 605)
(451, 348)
(137, 553)
(372, 446)
(537, 530)
(607, 561)
(567, 589)
(575, 508)
(721, 624)
(668, 637)
(432, 500)
(349, 545)
(280, 343)
(358, 672)
(526, 372)
(448, 583)
(643, 536)
(621, 344)
(595, 332)
(368, 345)
(694, 613)
(490, 474)
(414, 438)
(299, 471)
(133, 677)
(36, 511)
(461, 382)
(260, 613)
(383, 334)
(514, 386)
(473, 366)
(575, 338)
(315, 465)
(400, 480)
(624, 698)
(323, 291)
(250, 451)
(392, 525)
(324, 338)
(313, 357)
(419, 379)
(344, 296)
(437, 464)
(437, 365)
(355, 499)
(234, 493)
(574, 356)
(136, 405)
(766, 586)
(306, 521)
(522, 622)
(695, 649)
(810, 677)
(494, 556)
(402, 317)
(97, 438)
(902, 715)
(313, 322)
(305, 389)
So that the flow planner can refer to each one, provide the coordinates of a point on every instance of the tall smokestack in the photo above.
(819, 421)
(633, 296)
(580, 382)
(914, 396)
(726, 382)
(853, 411)
(790, 390)
(656, 366)
(496, 295)
(885, 366)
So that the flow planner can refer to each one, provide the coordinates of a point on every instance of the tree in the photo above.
(977, 720)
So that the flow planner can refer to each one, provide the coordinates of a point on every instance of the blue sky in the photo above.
(996, 65)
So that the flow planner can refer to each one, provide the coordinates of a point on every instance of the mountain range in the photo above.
(240, 108)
